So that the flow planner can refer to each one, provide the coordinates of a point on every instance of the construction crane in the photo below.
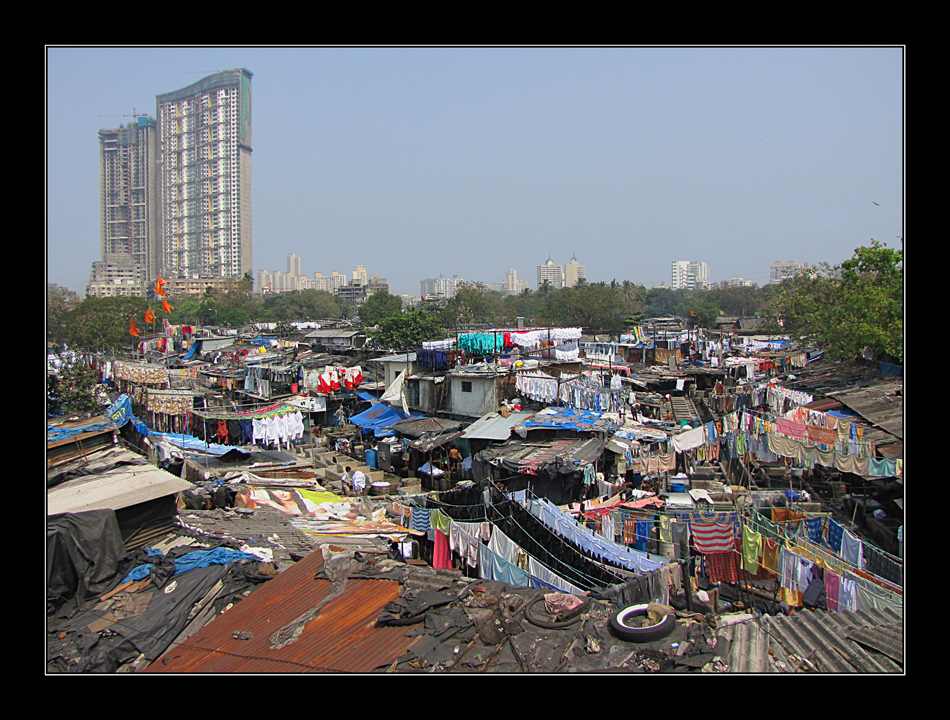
(133, 115)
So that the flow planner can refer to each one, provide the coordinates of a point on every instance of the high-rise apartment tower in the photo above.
(205, 171)
(128, 211)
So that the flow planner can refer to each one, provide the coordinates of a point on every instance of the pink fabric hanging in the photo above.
(441, 554)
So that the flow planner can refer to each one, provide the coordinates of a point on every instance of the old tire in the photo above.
(551, 622)
(623, 626)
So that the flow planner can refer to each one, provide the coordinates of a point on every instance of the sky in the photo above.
(418, 162)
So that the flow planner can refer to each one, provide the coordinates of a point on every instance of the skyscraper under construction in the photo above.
(129, 210)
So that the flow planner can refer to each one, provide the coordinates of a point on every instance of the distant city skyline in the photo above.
(424, 161)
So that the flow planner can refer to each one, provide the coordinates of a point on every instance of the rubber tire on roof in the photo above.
(647, 633)
(562, 620)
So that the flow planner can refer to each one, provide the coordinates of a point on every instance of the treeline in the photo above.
(848, 309)
(104, 323)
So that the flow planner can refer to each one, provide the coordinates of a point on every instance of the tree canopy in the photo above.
(379, 306)
(407, 330)
(848, 309)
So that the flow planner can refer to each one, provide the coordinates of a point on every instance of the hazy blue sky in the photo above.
(420, 162)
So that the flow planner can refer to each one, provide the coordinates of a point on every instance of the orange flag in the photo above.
(134, 330)
(166, 307)
(149, 317)
(160, 287)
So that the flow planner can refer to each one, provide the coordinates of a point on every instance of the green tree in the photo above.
(59, 303)
(104, 324)
(378, 306)
(301, 305)
(528, 304)
(406, 331)
(702, 312)
(74, 390)
(472, 304)
(595, 306)
(848, 308)
(662, 302)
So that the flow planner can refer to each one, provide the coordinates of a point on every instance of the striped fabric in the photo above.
(420, 520)
(713, 537)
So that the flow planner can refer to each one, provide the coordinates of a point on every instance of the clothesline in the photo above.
(271, 411)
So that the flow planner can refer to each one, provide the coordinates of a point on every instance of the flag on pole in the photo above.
(149, 317)
(160, 287)
(134, 330)
(166, 307)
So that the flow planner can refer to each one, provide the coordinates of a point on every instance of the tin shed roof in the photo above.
(113, 479)
(341, 637)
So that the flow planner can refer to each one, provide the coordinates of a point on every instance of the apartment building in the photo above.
(205, 146)
(551, 274)
(690, 275)
(129, 211)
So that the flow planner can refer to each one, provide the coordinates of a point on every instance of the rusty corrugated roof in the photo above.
(341, 638)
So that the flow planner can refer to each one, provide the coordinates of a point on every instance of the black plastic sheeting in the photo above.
(86, 559)
(552, 469)
(85, 553)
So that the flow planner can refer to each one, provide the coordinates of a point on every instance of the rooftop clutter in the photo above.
(694, 476)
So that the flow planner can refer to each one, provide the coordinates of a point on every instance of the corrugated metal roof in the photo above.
(114, 479)
(333, 334)
(881, 404)
(342, 637)
(399, 357)
(837, 642)
(494, 426)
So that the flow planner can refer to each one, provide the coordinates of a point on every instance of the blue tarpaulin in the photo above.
(197, 559)
(380, 417)
(563, 418)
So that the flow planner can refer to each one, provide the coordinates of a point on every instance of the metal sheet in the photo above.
(341, 638)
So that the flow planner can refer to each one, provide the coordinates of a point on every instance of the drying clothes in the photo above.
(713, 537)
(721, 566)
(788, 567)
(493, 567)
(815, 527)
(222, 432)
(751, 550)
(847, 595)
(501, 545)
(439, 520)
(875, 561)
(481, 343)
(441, 554)
(420, 520)
(770, 552)
(643, 533)
(870, 597)
(352, 377)
(852, 550)
(882, 468)
(688, 440)
(463, 539)
(539, 387)
(835, 535)
(790, 428)
(437, 359)
(439, 344)
(832, 588)
(680, 533)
